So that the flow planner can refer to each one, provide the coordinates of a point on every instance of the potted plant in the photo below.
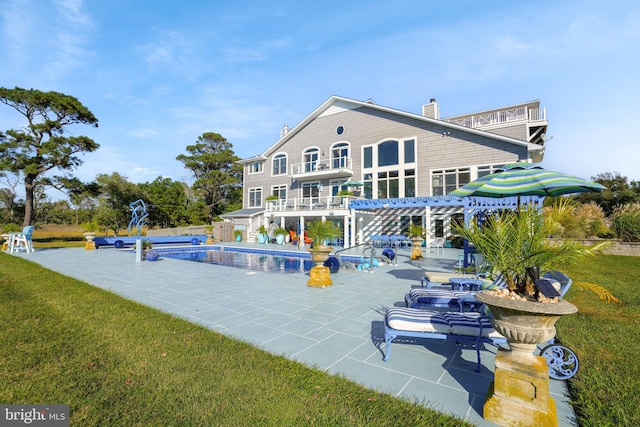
(320, 232)
(281, 234)
(146, 247)
(514, 243)
(90, 234)
(262, 234)
(416, 235)
(238, 235)
(208, 230)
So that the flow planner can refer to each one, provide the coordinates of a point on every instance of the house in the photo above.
(348, 155)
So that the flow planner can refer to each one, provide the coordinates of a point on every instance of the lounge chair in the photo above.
(436, 278)
(411, 322)
(22, 240)
(421, 298)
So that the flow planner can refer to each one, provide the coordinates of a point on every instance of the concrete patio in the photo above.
(337, 329)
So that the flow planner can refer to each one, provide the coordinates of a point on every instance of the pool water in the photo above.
(245, 260)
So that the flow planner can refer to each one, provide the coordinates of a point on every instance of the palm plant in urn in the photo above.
(320, 232)
(515, 244)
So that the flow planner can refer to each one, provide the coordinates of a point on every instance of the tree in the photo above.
(218, 177)
(43, 144)
(116, 193)
(618, 192)
(166, 202)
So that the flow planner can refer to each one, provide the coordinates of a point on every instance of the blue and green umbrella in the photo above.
(525, 179)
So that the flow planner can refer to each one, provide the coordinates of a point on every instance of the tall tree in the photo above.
(43, 144)
(116, 193)
(618, 192)
(217, 174)
(166, 202)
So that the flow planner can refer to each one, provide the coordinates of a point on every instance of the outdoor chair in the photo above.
(437, 243)
(421, 298)
(410, 322)
(21, 240)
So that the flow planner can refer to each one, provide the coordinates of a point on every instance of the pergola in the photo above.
(472, 206)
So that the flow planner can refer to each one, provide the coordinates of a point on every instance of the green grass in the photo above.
(118, 363)
(606, 389)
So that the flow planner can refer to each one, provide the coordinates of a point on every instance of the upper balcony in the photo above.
(501, 117)
(325, 168)
(315, 204)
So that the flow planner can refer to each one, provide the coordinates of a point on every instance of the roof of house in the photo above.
(336, 104)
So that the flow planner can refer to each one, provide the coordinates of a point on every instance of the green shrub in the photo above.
(625, 221)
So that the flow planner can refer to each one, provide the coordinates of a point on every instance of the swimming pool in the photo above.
(271, 261)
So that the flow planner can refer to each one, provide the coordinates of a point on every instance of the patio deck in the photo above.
(337, 329)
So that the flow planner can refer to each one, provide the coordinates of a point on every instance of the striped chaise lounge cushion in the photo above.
(411, 322)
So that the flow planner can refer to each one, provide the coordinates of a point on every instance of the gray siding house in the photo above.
(349, 150)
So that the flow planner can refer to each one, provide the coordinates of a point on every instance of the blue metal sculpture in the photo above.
(138, 216)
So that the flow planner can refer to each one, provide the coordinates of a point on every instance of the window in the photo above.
(255, 197)
(388, 153)
(405, 220)
(340, 130)
(310, 159)
(280, 164)
(367, 157)
(444, 182)
(439, 228)
(310, 192)
(388, 185)
(280, 191)
(410, 183)
(340, 155)
(409, 151)
(256, 167)
(486, 170)
(368, 186)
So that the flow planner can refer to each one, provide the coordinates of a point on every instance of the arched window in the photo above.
(310, 159)
(280, 164)
(388, 153)
(340, 155)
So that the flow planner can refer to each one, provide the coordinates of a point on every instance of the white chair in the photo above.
(437, 243)
(22, 240)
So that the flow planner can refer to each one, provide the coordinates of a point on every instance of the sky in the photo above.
(158, 74)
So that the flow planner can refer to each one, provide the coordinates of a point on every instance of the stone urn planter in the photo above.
(416, 247)
(89, 237)
(319, 275)
(519, 394)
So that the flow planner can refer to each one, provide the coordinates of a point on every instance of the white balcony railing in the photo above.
(322, 166)
(324, 203)
(499, 117)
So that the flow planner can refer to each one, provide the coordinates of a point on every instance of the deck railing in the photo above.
(321, 165)
(325, 203)
(499, 117)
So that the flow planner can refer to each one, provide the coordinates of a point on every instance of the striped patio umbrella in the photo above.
(525, 179)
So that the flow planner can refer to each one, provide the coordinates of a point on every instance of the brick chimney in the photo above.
(431, 110)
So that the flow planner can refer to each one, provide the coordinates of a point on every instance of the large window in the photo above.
(386, 177)
(280, 164)
(340, 155)
(445, 181)
(388, 153)
(310, 159)
(255, 197)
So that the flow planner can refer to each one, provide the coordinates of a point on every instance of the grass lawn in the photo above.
(606, 389)
(118, 363)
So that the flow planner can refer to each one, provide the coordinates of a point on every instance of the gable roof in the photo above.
(336, 104)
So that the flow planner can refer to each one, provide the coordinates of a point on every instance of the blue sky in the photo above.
(158, 74)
